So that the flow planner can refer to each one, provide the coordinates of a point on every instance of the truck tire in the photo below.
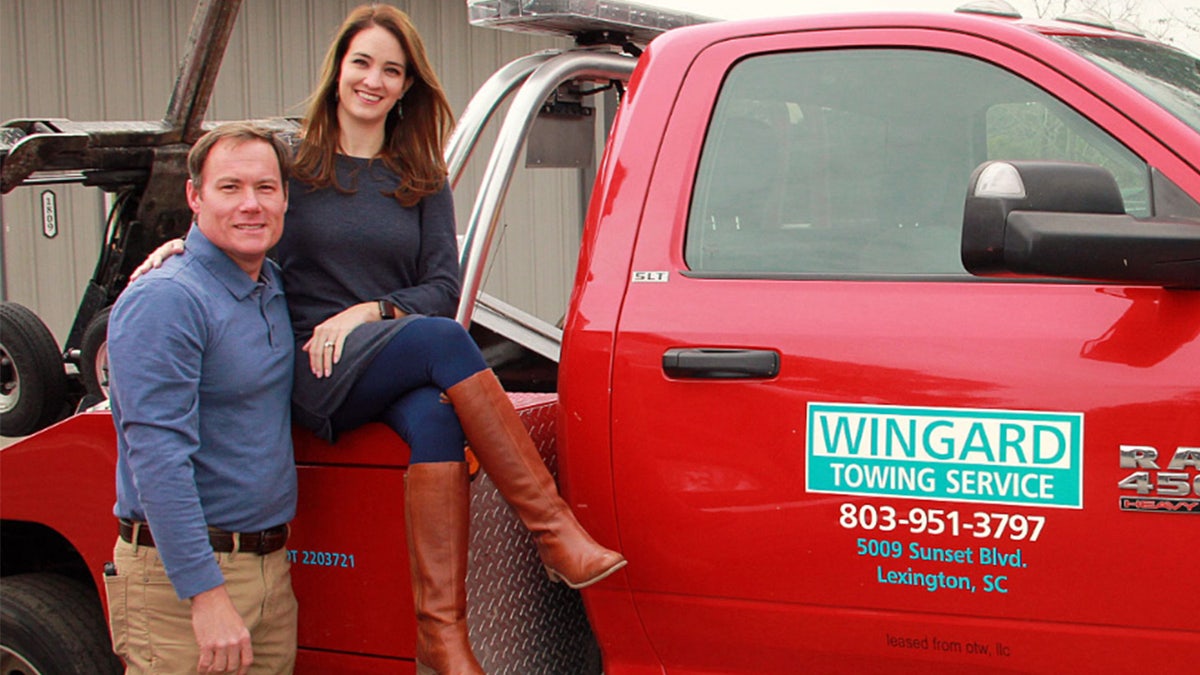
(52, 625)
(33, 382)
(93, 358)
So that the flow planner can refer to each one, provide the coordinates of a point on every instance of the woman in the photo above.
(370, 268)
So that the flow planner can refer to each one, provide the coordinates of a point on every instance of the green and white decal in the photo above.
(957, 454)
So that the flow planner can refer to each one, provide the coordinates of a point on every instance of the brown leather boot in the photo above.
(507, 453)
(437, 513)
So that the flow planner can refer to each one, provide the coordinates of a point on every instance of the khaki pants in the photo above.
(152, 628)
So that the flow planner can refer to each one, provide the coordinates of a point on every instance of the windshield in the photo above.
(1167, 76)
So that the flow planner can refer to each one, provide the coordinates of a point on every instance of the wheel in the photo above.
(93, 359)
(52, 625)
(33, 383)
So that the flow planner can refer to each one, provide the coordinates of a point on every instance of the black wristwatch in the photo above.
(386, 311)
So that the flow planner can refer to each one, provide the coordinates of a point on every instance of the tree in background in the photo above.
(1165, 21)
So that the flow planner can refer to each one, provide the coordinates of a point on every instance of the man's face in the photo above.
(240, 203)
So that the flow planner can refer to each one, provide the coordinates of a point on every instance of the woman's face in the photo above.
(372, 76)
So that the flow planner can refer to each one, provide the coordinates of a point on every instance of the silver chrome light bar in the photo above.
(585, 19)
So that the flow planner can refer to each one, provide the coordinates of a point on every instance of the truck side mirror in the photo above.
(1058, 219)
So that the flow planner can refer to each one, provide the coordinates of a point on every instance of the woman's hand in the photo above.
(157, 257)
(325, 346)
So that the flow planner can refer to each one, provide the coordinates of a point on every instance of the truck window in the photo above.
(1165, 75)
(856, 162)
(1033, 130)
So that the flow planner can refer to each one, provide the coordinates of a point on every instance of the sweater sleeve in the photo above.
(437, 291)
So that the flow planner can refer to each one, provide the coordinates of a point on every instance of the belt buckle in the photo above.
(262, 543)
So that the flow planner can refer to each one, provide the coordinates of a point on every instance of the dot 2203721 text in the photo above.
(321, 558)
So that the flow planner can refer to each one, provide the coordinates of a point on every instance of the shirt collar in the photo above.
(220, 265)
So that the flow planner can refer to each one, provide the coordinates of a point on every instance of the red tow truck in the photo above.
(883, 356)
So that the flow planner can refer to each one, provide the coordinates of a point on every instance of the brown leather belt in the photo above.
(259, 543)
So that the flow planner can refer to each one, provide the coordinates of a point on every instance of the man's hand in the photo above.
(222, 635)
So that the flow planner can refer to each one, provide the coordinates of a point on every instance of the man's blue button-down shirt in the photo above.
(200, 365)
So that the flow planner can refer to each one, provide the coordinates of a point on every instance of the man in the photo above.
(200, 357)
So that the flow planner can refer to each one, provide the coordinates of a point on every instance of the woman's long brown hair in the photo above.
(412, 144)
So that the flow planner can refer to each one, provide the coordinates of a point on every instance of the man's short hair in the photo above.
(238, 132)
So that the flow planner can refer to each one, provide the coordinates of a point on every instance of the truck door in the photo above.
(832, 447)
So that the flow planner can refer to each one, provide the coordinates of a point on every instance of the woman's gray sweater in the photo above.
(339, 250)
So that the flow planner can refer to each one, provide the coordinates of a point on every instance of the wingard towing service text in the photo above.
(976, 456)
(1021, 458)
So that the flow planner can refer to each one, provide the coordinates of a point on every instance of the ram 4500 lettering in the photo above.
(882, 356)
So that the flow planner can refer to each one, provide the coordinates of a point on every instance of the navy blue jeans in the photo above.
(403, 388)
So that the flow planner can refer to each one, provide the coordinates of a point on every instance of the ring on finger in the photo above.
(328, 345)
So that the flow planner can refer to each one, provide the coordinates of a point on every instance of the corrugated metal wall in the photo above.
(117, 60)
